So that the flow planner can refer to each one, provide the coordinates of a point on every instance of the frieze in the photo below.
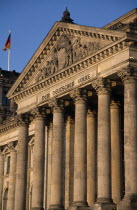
(66, 87)
(58, 30)
(68, 50)
(90, 60)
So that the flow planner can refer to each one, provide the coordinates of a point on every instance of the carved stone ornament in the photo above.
(91, 113)
(79, 94)
(23, 119)
(56, 104)
(38, 112)
(67, 51)
(103, 85)
(11, 146)
(128, 74)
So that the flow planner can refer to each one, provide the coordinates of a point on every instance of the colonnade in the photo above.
(97, 152)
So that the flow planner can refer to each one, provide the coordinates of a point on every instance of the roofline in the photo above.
(133, 11)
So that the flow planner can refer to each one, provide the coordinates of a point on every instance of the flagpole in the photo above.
(9, 54)
(8, 59)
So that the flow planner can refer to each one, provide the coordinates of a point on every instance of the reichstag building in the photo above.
(69, 140)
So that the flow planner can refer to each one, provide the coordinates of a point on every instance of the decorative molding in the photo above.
(103, 85)
(115, 104)
(78, 94)
(56, 104)
(23, 119)
(63, 31)
(9, 125)
(91, 113)
(85, 63)
(128, 74)
(10, 147)
(67, 51)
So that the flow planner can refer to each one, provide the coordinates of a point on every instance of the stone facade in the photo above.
(71, 141)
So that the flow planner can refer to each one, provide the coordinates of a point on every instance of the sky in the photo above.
(30, 20)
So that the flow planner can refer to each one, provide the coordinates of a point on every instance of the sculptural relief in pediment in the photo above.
(67, 51)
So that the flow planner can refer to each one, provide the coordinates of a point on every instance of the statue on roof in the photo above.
(66, 17)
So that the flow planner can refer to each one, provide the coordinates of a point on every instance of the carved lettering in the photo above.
(83, 79)
(63, 88)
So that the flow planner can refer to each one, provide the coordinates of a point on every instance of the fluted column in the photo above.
(50, 132)
(57, 156)
(12, 177)
(38, 164)
(104, 199)
(69, 161)
(80, 150)
(21, 167)
(129, 77)
(116, 151)
(91, 157)
(1, 175)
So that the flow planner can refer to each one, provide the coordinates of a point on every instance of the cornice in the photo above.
(8, 125)
(48, 43)
(93, 59)
(122, 18)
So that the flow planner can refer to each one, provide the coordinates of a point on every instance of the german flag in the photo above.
(7, 45)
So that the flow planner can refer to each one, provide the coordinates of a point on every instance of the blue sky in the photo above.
(30, 21)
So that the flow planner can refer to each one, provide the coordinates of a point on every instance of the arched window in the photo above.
(5, 199)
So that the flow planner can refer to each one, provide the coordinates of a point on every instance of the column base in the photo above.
(37, 208)
(128, 203)
(104, 206)
(79, 205)
(56, 207)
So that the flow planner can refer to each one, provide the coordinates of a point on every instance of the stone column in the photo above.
(50, 131)
(116, 151)
(21, 167)
(38, 164)
(69, 161)
(104, 200)
(57, 194)
(12, 177)
(1, 175)
(80, 149)
(129, 77)
(91, 157)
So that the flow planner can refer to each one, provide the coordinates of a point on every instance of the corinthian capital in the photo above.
(23, 119)
(128, 74)
(38, 112)
(102, 85)
(79, 94)
(56, 104)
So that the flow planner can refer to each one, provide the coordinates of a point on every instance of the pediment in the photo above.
(65, 45)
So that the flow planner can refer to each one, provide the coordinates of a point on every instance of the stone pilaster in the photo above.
(12, 176)
(116, 151)
(1, 175)
(80, 149)
(91, 157)
(104, 200)
(38, 164)
(129, 77)
(57, 188)
(21, 167)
